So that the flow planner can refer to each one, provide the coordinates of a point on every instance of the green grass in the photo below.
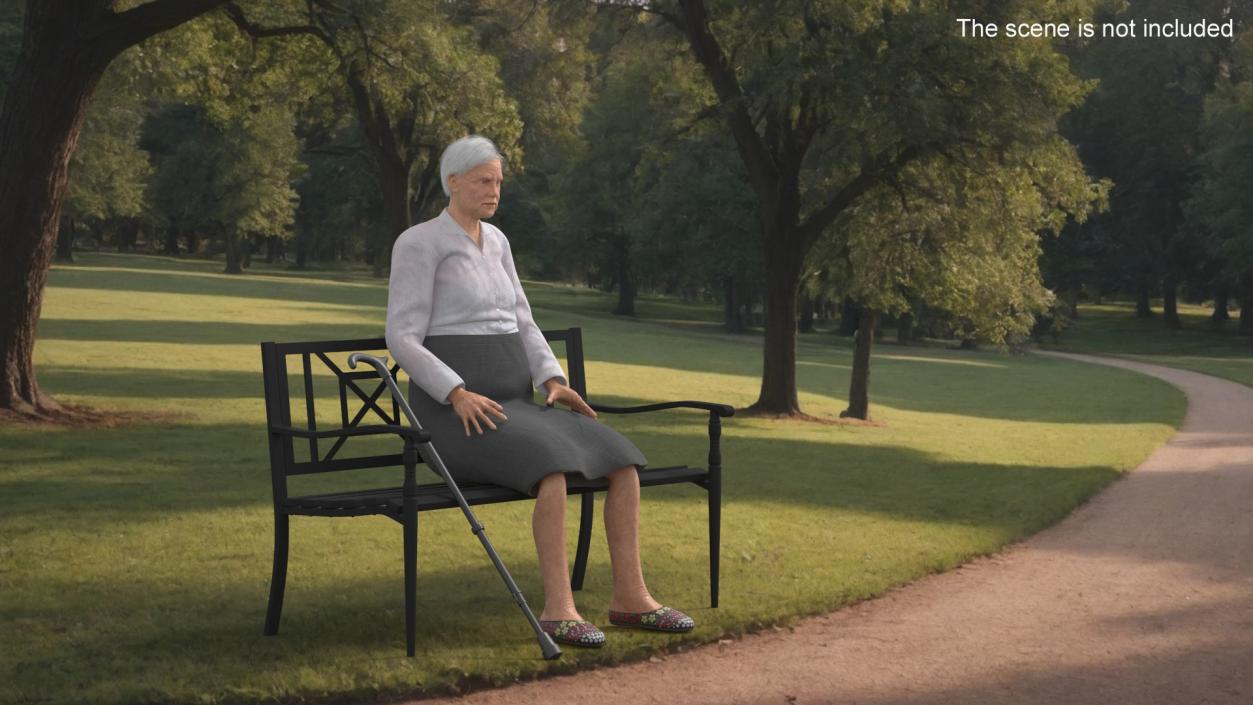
(135, 561)
(1202, 345)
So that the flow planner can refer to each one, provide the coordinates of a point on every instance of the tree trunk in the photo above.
(43, 111)
(234, 256)
(733, 318)
(806, 324)
(271, 249)
(394, 182)
(391, 160)
(171, 241)
(773, 158)
(1070, 298)
(122, 237)
(1246, 315)
(1221, 299)
(778, 374)
(250, 245)
(1170, 305)
(859, 383)
(65, 241)
(905, 328)
(193, 243)
(850, 314)
(625, 281)
(1143, 308)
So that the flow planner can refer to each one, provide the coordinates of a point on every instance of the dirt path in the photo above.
(1142, 596)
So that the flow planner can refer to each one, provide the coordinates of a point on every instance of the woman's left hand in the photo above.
(558, 392)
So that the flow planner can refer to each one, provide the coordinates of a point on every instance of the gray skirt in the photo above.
(534, 442)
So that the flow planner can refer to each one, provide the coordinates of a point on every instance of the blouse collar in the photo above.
(454, 227)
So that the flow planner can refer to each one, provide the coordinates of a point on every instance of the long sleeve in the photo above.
(410, 297)
(539, 355)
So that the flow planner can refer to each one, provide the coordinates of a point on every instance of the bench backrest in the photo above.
(362, 399)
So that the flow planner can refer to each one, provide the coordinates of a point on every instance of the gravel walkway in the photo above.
(1142, 596)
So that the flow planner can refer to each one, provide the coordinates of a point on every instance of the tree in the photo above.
(963, 238)
(110, 172)
(62, 58)
(826, 101)
(1221, 206)
(694, 224)
(600, 190)
(656, 199)
(1141, 128)
(417, 82)
(228, 163)
(548, 68)
(341, 209)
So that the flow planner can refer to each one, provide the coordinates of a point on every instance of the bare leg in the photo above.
(548, 524)
(622, 529)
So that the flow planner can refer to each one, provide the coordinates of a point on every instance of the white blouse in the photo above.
(442, 284)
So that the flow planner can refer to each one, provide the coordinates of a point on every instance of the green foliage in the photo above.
(657, 183)
(228, 159)
(418, 80)
(695, 225)
(546, 67)
(958, 227)
(1222, 205)
(543, 55)
(109, 172)
(231, 179)
(340, 206)
(964, 240)
(1141, 128)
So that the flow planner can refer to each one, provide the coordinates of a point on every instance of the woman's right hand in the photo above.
(473, 408)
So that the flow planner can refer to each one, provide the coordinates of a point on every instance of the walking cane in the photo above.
(431, 456)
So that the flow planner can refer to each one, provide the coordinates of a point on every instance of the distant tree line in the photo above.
(1170, 124)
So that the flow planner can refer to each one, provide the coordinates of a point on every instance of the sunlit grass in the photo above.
(135, 561)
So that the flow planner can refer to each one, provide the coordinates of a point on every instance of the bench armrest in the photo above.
(417, 435)
(720, 409)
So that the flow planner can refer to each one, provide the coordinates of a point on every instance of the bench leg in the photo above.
(410, 528)
(715, 532)
(278, 579)
(587, 510)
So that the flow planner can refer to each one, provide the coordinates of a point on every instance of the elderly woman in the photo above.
(459, 324)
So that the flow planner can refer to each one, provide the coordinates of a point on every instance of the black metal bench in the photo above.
(355, 395)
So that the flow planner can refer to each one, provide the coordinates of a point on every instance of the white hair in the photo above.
(465, 154)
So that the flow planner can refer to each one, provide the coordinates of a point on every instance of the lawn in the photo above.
(135, 560)
(1202, 345)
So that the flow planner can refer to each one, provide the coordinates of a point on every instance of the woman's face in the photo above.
(477, 191)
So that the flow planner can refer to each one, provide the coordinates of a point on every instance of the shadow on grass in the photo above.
(121, 276)
(151, 471)
(183, 642)
(144, 383)
(197, 333)
(1085, 394)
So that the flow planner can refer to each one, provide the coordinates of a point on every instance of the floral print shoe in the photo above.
(573, 632)
(662, 619)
